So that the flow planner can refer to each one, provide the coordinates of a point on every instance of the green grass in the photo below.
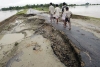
(22, 12)
(42, 8)
(94, 18)
(84, 17)
(39, 8)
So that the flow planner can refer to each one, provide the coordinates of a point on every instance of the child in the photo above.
(57, 13)
(67, 18)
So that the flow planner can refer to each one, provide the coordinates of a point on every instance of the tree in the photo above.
(87, 3)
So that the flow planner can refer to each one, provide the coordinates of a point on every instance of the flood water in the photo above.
(5, 14)
(92, 11)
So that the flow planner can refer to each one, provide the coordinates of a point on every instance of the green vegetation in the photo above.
(42, 8)
(22, 11)
(25, 7)
(83, 17)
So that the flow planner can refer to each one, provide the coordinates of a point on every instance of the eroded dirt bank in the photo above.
(60, 45)
(39, 45)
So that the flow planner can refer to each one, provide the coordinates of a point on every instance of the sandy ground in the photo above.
(36, 52)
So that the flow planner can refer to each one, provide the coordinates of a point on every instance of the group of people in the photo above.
(64, 14)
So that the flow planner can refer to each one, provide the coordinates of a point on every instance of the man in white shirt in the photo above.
(64, 13)
(57, 13)
(51, 11)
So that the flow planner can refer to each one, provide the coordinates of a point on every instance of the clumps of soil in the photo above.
(26, 15)
(60, 45)
(35, 21)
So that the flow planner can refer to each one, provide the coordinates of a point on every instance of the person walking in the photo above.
(57, 13)
(67, 17)
(64, 13)
(51, 11)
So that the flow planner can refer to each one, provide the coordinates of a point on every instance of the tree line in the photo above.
(40, 5)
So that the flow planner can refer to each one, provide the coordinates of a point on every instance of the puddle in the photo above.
(11, 38)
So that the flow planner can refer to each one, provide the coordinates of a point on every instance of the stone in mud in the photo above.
(17, 59)
(16, 43)
(36, 47)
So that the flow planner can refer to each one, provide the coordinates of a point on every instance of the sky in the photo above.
(7, 3)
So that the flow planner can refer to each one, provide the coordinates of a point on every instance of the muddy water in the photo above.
(11, 38)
